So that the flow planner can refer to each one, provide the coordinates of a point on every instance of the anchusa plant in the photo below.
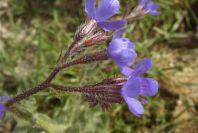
(131, 87)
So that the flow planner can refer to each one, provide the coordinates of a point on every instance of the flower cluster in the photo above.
(132, 88)
(121, 51)
(137, 86)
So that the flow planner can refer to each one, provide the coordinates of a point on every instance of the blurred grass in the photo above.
(33, 33)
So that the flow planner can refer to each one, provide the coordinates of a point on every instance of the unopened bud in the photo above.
(97, 38)
(86, 29)
(89, 58)
(114, 81)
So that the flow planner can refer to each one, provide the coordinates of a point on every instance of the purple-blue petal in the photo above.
(107, 9)
(120, 44)
(121, 52)
(130, 45)
(2, 111)
(152, 8)
(142, 67)
(90, 8)
(131, 88)
(119, 33)
(135, 106)
(125, 57)
(127, 71)
(111, 25)
(149, 7)
(149, 87)
(5, 98)
(143, 2)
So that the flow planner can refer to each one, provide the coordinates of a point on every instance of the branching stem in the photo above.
(101, 55)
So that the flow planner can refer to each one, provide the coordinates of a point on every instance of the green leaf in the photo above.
(48, 124)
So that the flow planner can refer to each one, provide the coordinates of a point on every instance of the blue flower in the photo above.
(121, 52)
(137, 86)
(149, 7)
(2, 110)
(2, 107)
(105, 10)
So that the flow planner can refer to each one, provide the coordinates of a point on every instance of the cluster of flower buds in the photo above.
(121, 51)
(104, 93)
(132, 88)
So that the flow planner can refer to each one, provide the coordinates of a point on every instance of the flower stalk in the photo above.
(89, 58)
(104, 93)
(131, 87)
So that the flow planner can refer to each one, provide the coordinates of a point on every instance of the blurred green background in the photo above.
(34, 32)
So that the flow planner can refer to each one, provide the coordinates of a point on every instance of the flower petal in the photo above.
(149, 87)
(142, 67)
(90, 8)
(111, 25)
(126, 71)
(124, 58)
(143, 2)
(107, 9)
(135, 106)
(2, 111)
(152, 8)
(121, 51)
(119, 33)
(131, 88)
(5, 98)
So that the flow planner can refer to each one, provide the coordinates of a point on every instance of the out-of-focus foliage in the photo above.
(33, 34)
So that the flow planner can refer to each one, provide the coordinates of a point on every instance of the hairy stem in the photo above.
(35, 89)
(101, 55)
(67, 53)
(102, 89)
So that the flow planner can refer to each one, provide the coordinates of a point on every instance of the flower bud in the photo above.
(92, 57)
(114, 81)
(86, 29)
(97, 38)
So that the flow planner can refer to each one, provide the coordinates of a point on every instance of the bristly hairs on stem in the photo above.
(103, 94)
(89, 58)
